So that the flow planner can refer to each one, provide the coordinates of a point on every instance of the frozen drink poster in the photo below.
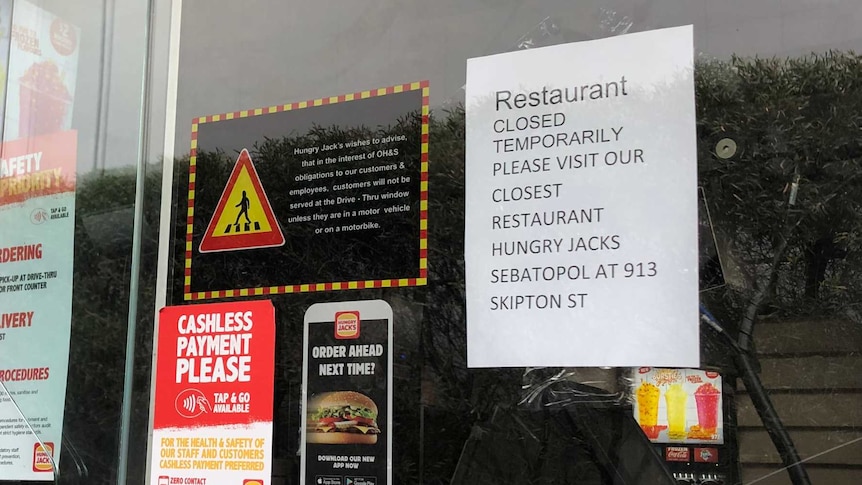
(679, 405)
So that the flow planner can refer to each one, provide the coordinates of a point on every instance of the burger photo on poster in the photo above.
(342, 417)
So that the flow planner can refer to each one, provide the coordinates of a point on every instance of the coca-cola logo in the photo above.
(677, 453)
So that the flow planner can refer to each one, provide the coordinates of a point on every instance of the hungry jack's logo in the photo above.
(346, 325)
(252, 482)
(42, 461)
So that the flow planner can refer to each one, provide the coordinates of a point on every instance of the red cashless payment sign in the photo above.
(214, 391)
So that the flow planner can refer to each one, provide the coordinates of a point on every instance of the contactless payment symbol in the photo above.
(191, 403)
(243, 218)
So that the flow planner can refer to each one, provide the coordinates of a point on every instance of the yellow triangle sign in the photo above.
(243, 218)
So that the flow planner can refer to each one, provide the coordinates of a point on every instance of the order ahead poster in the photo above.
(347, 394)
(581, 241)
(212, 417)
(37, 243)
(294, 194)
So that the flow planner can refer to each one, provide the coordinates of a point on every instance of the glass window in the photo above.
(71, 186)
(331, 142)
(774, 85)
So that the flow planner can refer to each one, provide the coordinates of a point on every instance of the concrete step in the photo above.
(810, 410)
(819, 476)
(812, 372)
(846, 445)
(808, 337)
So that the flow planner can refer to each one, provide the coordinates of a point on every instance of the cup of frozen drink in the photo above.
(707, 398)
(675, 398)
(647, 399)
(44, 100)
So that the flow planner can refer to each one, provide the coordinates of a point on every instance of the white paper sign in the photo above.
(581, 204)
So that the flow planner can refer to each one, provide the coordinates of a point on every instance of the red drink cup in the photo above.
(707, 399)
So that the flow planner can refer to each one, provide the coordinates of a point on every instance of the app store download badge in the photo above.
(328, 480)
(360, 481)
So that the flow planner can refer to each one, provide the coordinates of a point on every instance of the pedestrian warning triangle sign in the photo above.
(243, 218)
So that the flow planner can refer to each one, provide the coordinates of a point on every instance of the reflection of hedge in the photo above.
(787, 116)
(103, 235)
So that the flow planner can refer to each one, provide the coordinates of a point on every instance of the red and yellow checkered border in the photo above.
(312, 287)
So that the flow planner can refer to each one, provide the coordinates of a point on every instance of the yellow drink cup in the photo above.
(647, 398)
(675, 397)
